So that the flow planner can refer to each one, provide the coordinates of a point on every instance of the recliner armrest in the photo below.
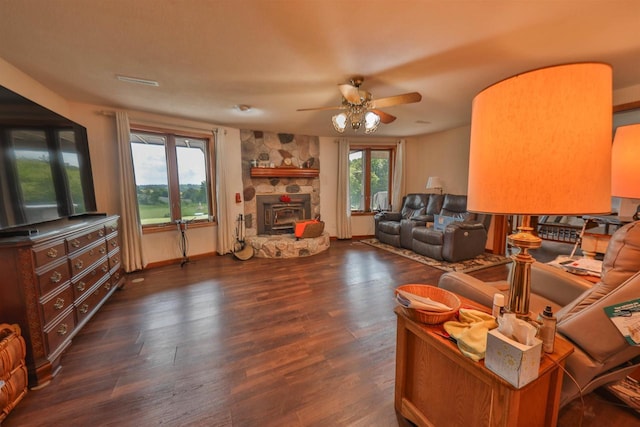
(389, 216)
(466, 225)
(469, 287)
(422, 218)
(556, 284)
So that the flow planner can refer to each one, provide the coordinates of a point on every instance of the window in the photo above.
(172, 177)
(370, 171)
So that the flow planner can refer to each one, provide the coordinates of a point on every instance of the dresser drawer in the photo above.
(114, 259)
(81, 261)
(43, 255)
(89, 304)
(113, 243)
(112, 226)
(59, 331)
(57, 303)
(50, 279)
(80, 241)
(116, 276)
(84, 282)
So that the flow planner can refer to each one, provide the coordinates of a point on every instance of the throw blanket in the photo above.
(471, 332)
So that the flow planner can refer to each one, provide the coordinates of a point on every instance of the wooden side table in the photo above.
(436, 385)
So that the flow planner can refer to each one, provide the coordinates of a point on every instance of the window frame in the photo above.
(170, 136)
(366, 166)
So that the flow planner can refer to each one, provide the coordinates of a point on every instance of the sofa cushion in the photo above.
(434, 204)
(455, 206)
(414, 205)
(428, 235)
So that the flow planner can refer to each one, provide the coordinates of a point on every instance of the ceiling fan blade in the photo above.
(385, 118)
(405, 98)
(338, 107)
(350, 93)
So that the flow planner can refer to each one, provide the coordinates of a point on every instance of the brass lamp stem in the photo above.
(520, 275)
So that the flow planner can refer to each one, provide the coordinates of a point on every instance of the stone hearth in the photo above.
(286, 245)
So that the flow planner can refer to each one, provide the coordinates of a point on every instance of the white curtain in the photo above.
(397, 184)
(225, 212)
(131, 230)
(343, 204)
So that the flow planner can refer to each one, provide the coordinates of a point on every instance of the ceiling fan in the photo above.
(361, 110)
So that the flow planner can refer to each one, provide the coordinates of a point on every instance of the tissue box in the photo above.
(516, 363)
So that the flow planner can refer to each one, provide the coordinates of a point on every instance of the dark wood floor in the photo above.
(222, 342)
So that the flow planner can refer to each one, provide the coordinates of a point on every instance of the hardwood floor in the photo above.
(222, 342)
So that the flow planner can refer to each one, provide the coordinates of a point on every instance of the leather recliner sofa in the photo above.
(602, 354)
(394, 228)
(412, 227)
(460, 240)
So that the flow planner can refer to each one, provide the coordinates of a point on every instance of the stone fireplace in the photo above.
(270, 150)
(275, 216)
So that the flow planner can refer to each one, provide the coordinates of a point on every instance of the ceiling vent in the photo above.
(138, 81)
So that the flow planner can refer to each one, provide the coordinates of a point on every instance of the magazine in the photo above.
(626, 317)
(627, 390)
(579, 266)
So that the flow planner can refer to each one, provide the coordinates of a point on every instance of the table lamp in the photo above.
(541, 145)
(625, 164)
(434, 183)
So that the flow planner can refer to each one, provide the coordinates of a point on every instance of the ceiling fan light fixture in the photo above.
(339, 122)
(371, 122)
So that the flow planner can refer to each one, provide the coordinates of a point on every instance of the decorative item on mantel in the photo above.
(285, 198)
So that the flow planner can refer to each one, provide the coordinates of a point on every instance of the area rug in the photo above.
(478, 263)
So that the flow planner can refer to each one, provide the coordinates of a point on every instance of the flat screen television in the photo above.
(45, 169)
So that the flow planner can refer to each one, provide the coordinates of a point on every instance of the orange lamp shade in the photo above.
(625, 162)
(541, 143)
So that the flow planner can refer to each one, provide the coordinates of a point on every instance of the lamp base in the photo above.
(520, 275)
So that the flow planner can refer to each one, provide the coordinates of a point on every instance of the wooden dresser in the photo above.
(54, 281)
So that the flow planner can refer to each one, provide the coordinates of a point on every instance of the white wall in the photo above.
(444, 154)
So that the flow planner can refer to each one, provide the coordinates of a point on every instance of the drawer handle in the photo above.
(84, 309)
(103, 250)
(114, 243)
(90, 236)
(101, 233)
(79, 264)
(81, 286)
(59, 304)
(62, 330)
(105, 268)
(92, 252)
(75, 243)
(52, 253)
(107, 286)
(115, 260)
(55, 277)
(113, 228)
(117, 275)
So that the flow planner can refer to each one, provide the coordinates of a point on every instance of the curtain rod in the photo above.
(161, 123)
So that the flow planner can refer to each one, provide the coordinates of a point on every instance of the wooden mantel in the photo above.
(284, 172)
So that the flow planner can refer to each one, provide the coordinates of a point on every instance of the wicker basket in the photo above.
(436, 294)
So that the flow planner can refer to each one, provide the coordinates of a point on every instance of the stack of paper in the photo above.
(410, 300)
(584, 266)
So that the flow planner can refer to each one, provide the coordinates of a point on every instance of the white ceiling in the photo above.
(280, 55)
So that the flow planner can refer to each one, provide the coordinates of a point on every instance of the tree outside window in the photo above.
(370, 171)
